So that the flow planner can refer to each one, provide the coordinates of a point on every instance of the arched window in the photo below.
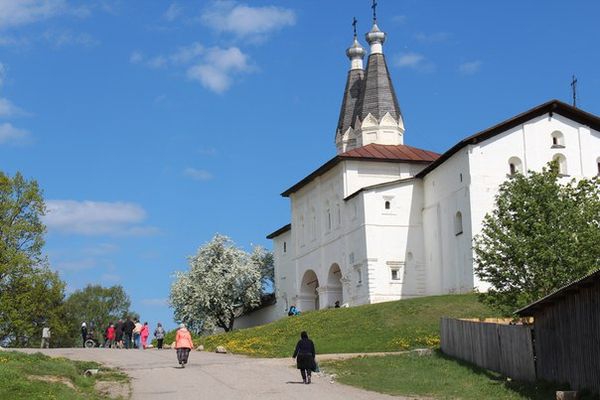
(562, 163)
(458, 223)
(388, 205)
(598, 164)
(558, 139)
(514, 166)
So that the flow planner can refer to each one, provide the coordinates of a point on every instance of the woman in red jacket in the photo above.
(110, 335)
(183, 344)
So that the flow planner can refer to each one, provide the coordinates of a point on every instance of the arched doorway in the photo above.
(334, 286)
(309, 295)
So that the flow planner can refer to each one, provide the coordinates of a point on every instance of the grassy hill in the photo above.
(392, 326)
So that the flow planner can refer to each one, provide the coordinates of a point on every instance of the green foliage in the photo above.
(30, 294)
(98, 306)
(436, 377)
(541, 235)
(21, 378)
(391, 326)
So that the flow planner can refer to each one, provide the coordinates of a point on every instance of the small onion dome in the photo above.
(356, 50)
(375, 36)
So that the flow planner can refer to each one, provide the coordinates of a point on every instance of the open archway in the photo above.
(334, 286)
(309, 295)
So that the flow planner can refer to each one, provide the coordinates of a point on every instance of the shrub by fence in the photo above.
(507, 349)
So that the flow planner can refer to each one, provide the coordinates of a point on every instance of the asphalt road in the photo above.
(156, 375)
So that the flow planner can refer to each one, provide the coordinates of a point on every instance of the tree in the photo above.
(30, 294)
(97, 306)
(221, 280)
(541, 235)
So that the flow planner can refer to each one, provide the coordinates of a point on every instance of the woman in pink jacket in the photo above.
(144, 333)
(183, 344)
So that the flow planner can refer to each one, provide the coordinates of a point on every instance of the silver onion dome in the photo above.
(375, 35)
(356, 50)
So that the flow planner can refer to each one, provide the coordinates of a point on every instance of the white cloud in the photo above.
(11, 135)
(414, 61)
(242, 20)
(173, 12)
(470, 68)
(67, 38)
(20, 12)
(136, 57)
(437, 37)
(101, 249)
(96, 218)
(8, 109)
(208, 151)
(218, 67)
(157, 62)
(110, 278)
(155, 302)
(187, 54)
(2, 73)
(75, 265)
(197, 174)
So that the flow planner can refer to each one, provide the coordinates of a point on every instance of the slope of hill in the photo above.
(391, 326)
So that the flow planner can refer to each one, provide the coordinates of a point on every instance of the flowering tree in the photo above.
(221, 280)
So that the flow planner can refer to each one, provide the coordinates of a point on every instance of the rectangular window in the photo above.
(395, 274)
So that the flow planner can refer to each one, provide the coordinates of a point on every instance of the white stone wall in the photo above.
(447, 250)
(394, 238)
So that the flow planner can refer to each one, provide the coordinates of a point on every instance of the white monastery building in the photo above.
(384, 221)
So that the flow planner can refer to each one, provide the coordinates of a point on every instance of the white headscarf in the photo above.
(83, 324)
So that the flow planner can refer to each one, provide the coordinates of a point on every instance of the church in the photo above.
(383, 220)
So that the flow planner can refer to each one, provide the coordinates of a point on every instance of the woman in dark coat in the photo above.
(305, 357)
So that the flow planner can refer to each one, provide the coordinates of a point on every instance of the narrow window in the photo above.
(458, 223)
(387, 205)
(558, 139)
(284, 247)
(514, 166)
(329, 219)
(562, 163)
(359, 276)
(598, 164)
(461, 177)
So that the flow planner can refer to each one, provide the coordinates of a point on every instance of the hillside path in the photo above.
(156, 375)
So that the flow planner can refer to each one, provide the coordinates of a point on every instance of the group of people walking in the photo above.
(132, 334)
(125, 334)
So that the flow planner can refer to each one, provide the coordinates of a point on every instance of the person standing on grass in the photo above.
(305, 357)
(144, 333)
(128, 328)
(84, 332)
(159, 334)
(183, 344)
(119, 334)
(45, 338)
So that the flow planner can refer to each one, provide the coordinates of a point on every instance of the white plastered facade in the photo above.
(367, 232)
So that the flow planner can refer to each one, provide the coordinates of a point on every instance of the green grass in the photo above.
(436, 376)
(18, 373)
(391, 326)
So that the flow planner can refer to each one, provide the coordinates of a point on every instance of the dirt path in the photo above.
(156, 375)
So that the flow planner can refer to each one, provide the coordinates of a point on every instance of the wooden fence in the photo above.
(507, 349)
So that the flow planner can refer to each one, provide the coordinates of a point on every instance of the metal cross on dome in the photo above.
(374, 7)
(354, 22)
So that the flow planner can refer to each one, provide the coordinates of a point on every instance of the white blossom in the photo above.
(221, 280)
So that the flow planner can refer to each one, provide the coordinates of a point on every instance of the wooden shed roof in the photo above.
(575, 286)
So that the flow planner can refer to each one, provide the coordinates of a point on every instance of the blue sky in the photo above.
(153, 125)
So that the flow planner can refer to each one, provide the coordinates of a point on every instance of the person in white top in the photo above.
(45, 338)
